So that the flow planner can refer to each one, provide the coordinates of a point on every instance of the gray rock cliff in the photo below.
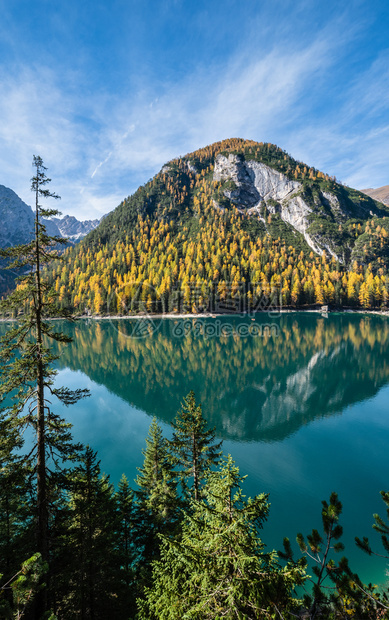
(17, 219)
(256, 185)
(17, 222)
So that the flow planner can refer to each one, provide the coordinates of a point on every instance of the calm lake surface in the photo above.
(304, 410)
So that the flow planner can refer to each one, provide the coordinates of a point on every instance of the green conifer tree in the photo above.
(336, 592)
(26, 373)
(379, 526)
(377, 600)
(16, 520)
(193, 446)
(157, 501)
(23, 586)
(90, 580)
(219, 568)
(126, 552)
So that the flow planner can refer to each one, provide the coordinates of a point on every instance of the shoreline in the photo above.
(209, 315)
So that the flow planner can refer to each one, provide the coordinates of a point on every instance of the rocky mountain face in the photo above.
(17, 222)
(225, 227)
(256, 188)
(17, 219)
(380, 193)
(72, 228)
(17, 227)
(251, 190)
(283, 198)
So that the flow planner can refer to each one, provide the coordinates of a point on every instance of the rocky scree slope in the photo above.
(380, 193)
(319, 215)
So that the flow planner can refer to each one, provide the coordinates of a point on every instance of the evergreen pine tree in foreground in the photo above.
(193, 446)
(26, 372)
(90, 581)
(334, 590)
(16, 520)
(126, 547)
(157, 508)
(219, 567)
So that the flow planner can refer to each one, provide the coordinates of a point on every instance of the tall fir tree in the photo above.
(125, 544)
(26, 372)
(219, 568)
(89, 579)
(157, 501)
(193, 445)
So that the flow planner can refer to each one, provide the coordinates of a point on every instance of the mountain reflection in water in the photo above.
(303, 409)
(253, 388)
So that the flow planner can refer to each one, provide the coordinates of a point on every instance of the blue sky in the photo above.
(106, 92)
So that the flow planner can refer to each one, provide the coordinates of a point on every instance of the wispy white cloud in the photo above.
(99, 146)
(247, 97)
(369, 93)
(101, 164)
(37, 118)
(351, 141)
(117, 143)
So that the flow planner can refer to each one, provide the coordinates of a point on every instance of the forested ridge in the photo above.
(181, 243)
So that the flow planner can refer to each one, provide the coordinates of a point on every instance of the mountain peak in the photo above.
(16, 217)
(236, 215)
(380, 193)
(17, 227)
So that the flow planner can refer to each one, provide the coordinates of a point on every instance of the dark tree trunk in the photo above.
(42, 507)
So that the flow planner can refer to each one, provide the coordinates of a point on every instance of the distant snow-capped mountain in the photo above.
(72, 228)
(17, 222)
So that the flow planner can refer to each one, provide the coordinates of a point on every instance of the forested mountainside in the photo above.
(237, 225)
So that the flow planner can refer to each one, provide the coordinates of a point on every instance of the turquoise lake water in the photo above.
(300, 400)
